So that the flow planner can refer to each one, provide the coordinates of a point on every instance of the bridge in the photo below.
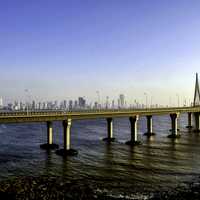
(133, 114)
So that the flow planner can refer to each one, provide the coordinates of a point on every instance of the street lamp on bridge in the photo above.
(178, 99)
(146, 99)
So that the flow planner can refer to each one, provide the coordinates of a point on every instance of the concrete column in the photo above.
(49, 144)
(133, 123)
(197, 122)
(189, 120)
(149, 126)
(110, 127)
(67, 133)
(174, 124)
(49, 133)
(67, 140)
(110, 137)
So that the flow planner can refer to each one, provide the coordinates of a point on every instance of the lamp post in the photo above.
(170, 102)
(151, 102)
(185, 102)
(107, 102)
(27, 104)
(146, 99)
(178, 99)
(98, 97)
(136, 103)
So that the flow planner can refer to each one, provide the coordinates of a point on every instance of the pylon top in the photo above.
(197, 92)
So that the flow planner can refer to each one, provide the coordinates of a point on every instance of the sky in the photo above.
(62, 49)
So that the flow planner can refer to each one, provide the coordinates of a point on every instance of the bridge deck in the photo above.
(15, 117)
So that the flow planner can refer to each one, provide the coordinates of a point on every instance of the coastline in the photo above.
(54, 188)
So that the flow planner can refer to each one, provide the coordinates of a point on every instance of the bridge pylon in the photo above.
(197, 92)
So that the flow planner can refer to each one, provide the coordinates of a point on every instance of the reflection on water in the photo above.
(159, 162)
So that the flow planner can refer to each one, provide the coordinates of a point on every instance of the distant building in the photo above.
(65, 104)
(21, 106)
(10, 106)
(70, 104)
(107, 102)
(33, 105)
(95, 105)
(118, 102)
(113, 103)
(1, 102)
(16, 106)
(39, 105)
(44, 105)
(121, 100)
(81, 102)
(75, 104)
(55, 105)
(49, 105)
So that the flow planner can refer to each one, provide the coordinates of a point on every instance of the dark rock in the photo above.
(64, 152)
(49, 146)
(109, 139)
(133, 143)
(149, 134)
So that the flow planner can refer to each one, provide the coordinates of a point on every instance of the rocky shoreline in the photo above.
(184, 192)
(55, 188)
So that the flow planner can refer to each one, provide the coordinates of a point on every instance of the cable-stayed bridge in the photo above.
(108, 114)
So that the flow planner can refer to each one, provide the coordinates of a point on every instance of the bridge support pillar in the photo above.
(133, 123)
(110, 137)
(149, 126)
(197, 122)
(174, 122)
(67, 140)
(49, 144)
(189, 120)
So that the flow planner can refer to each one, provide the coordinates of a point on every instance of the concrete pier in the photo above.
(189, 120)
(197, 122)
(174, 124)
(149, 126)
(49, 144)
(109, 137)
(67, 140)
(49, 133)
(133, 123)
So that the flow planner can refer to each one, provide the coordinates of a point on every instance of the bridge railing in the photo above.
(65, 112)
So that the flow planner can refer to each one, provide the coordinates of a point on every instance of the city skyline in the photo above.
(85, 103)
(69, 49)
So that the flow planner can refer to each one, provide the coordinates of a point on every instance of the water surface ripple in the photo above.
(158, 163)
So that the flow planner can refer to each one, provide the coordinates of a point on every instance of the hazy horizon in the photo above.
(62, 50)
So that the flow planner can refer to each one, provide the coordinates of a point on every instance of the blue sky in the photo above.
(68, 48)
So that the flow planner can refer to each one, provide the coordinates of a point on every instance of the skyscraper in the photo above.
(81, 102)
(65, 104)
(70, 104)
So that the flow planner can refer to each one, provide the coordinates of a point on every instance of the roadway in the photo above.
(43, 116)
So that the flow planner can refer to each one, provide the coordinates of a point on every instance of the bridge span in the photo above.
(133, 115)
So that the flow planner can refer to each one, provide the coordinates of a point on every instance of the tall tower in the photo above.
(197, 92)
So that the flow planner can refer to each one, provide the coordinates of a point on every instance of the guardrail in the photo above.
(81, 111)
